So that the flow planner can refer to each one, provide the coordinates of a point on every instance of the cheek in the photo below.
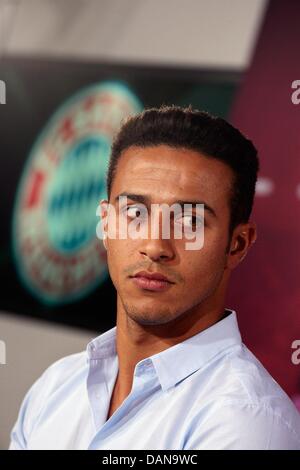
(215, 243)
(112, 259)
(119, 257)
(204, 263)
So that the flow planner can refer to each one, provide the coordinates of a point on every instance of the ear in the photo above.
(104, 215)
(243, 237)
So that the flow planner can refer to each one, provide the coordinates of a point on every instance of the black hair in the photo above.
(200, 131)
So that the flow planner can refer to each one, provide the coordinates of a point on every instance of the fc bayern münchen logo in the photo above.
(58, 255)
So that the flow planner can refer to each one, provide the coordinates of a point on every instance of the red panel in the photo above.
(265, 289)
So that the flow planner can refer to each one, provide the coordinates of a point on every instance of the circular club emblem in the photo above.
(58, 255)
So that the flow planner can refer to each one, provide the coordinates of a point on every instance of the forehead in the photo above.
(168, 173)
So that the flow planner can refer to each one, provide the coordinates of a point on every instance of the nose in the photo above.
(156, 247)
(156, 250)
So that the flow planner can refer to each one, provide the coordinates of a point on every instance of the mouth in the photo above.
(151, 281)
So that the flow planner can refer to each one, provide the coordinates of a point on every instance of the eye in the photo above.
(190, 221)
(135, 211)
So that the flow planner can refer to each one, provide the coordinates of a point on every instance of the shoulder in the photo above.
(245, 408)
(254, 385)
(65, 368)
(62, 374)
(59, 374)
(243, 426)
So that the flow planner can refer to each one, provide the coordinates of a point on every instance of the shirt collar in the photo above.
(103, 346)
(179, 361)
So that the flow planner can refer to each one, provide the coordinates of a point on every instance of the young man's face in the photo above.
(165, 175)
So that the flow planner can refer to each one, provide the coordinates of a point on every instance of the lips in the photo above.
(151, 281)
(153, 276)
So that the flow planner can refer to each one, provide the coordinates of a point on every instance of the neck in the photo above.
(135, 342)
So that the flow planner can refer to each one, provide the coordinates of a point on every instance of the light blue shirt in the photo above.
(207, 392)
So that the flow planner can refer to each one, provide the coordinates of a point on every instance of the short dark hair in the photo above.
(192, 129)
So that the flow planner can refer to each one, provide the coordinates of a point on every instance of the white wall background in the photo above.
(210, 33)
(31, 346)
(204, 33)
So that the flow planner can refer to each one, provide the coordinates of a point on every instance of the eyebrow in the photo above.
(143, 199)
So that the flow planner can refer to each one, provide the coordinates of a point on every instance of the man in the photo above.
(173, 373)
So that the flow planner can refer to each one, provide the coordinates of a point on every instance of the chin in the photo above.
(152, 322)
(160, 318)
